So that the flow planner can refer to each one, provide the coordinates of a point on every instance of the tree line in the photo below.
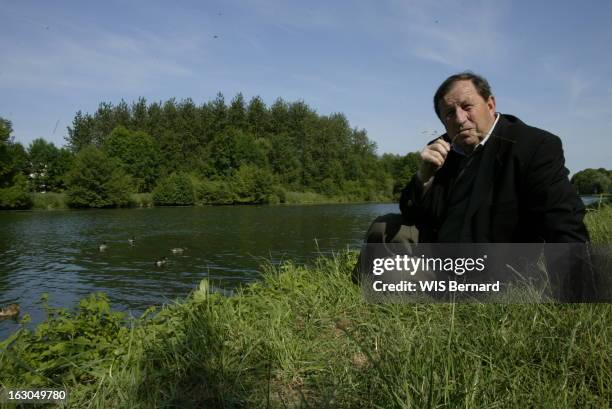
(181, 153)
(214, 153)
(593, 181)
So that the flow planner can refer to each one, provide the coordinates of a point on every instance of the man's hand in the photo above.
(432, 158)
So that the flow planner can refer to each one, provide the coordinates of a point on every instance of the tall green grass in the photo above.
(302, 336)
(312, 198)
(141, 200)
(49, 201)
(599, 223)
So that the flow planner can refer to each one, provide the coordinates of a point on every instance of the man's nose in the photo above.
(460, 115)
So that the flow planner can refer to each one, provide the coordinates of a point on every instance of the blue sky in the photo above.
(378, 62)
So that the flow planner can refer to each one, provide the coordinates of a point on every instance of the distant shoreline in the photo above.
(56, 201)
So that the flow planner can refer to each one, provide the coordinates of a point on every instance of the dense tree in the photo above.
(6, 161)
(233, 148)
(304, 151)
(48, 165)
(138, 154)
(14, 188)
(592, 181)
(218, 114)
(18, 159)
(80, 134)
(401, 168)
(155, 121)
(252, 184)
(174, 190)
(16, 196)
(236, 114)
(257, 117)
(284, 160)
(139, 115)
(6, 129)
(105, 119)
(279, 117)
(97, 181)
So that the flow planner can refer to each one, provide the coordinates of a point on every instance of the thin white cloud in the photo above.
(452, 33)
(290, 16)
(585, 99)
(98, 60)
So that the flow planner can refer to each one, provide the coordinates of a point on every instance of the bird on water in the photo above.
(10, 311)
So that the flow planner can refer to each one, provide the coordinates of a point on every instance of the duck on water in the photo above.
(10, 311)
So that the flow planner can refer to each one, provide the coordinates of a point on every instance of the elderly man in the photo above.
(489, 179)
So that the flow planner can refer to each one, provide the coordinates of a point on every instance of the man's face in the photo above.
(466, 116)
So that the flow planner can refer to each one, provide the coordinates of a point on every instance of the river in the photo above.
(58, 252)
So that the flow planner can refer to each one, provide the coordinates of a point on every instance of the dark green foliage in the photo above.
(249, 184)
(137, 153)
(304, 151)
(252, 184)
(218, 114)
(216, 192)
(233, 148)
(593, 181)
(258, 117)
(6, 129)
(16, 196)
(401, 168)
(174, 190)
(48, 165)
(236, 113)
(284, 160)
(14, 188)
(80, 134)
(13, 159)
(97, 181)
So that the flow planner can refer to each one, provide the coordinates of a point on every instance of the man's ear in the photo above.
(491, 104)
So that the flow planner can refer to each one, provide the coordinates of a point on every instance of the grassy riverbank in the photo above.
(303, 337)
(57, 201)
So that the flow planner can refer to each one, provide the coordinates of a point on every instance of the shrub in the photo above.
(174, 190)
(97, 181)
(216, 192)
(16, 196)
(49, 201)
(252, 184)
(141, 200)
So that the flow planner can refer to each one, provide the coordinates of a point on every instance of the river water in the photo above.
(57, 252)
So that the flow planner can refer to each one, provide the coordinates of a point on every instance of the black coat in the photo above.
(521, 193)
